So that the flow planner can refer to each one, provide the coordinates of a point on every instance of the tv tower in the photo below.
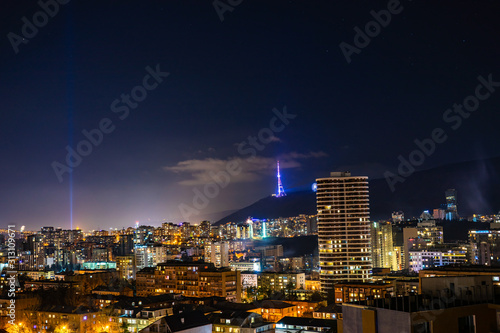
(281, 190)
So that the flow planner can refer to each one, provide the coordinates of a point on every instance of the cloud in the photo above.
(252, 169)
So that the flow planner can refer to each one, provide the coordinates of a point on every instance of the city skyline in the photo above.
(249, 166)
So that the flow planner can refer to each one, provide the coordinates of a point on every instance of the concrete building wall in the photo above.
(484, 316)
(480, 287)
(390, 321)
(352, 319)
(360, 319)
(408, 233)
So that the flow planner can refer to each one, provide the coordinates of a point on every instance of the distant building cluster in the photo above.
(242, 276)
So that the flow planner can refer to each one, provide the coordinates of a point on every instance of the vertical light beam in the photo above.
(70, 91)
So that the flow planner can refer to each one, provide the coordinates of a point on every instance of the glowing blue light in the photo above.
(314, 187)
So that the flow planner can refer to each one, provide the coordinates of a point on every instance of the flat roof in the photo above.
(301, 321)
(463, 268)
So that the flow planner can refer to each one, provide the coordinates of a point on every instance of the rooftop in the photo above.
(332, 308)
(464, 268)
(271, 304)
(361, 283)
(417, 303)
(68, 309)
(230, 306)
(177, 263)
(187, 320)
(238, 318)
(308, 322)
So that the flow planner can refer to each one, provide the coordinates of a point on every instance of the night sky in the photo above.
(224, 80)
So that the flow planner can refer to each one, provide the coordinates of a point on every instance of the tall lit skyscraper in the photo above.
(383, 253)
(451, 204)
(343, 229)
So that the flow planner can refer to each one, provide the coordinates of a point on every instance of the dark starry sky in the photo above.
(225, 78)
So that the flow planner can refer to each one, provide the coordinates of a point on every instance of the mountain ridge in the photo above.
(477, 183)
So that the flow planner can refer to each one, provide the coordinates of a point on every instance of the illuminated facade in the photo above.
(431, 233)
(451, 204)
(244, 266)
(126, 266)
(281, 190)
(218, 254)
(383, 254)
(484, 247)
(343, 229)
(353, 292)
(439, 214)
(423, 259)
(245, 230)
(425, 236)
(280, 281)
(189, 279)
(143, 256)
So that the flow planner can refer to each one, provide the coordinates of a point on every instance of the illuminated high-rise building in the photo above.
(343, 229)
(125, 244)
(439, 214)
(143, 235)
(126, 266)
(451, 204)
(383, 253)
(250, 228)
(217, 253)
(143, 256)
(204, 229)
(426, 235)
